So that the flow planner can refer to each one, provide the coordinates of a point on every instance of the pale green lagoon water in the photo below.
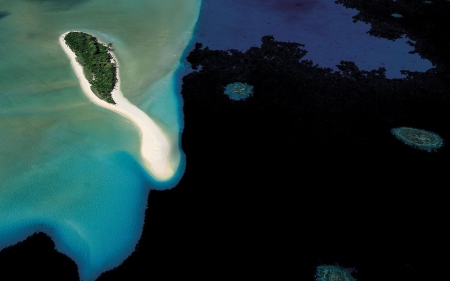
(67, 166)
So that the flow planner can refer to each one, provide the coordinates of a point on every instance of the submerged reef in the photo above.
(420, 139)
(397, 16)
(333, 273)
(238, 90)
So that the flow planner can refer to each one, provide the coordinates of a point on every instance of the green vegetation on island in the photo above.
(98, 64)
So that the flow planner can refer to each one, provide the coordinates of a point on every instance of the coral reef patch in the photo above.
(420, 139)
(238, 90)
(333, 273)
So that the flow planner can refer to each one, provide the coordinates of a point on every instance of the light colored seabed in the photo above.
(67, 166)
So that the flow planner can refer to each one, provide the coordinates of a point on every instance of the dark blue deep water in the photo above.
(325, 28)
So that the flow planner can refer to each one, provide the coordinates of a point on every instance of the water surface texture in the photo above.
(68, 167)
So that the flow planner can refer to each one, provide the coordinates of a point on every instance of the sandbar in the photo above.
(155, 148)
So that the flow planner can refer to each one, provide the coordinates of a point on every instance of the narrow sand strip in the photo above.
(155, 148)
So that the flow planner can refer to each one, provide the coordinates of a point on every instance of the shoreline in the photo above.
(155, 148)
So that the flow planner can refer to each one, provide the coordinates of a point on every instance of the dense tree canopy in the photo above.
(99, 68)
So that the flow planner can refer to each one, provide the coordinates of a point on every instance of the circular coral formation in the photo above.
(238, 90)
(420, 139)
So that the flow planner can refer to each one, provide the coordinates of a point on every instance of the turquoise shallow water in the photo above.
(67, 166)
(96, 232)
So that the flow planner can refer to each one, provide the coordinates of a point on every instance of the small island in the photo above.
(98, 73)
(98, 64)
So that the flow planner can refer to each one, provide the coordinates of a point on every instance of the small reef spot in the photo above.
(334, 273)
(419, 139)
(398, 16)
(238, 90)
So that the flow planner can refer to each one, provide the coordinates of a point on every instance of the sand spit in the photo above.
(155, 148)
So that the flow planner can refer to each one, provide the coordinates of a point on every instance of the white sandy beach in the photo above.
(155, 148)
